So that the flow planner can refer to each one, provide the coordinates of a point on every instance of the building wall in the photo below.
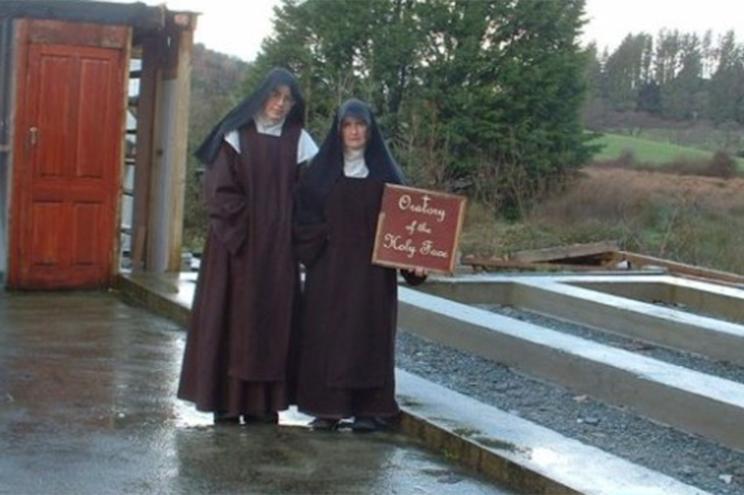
(6, 135)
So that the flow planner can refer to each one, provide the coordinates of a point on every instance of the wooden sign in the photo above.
(418, 229)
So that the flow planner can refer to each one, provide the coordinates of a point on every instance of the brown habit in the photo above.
(240, 337)
(350, 306)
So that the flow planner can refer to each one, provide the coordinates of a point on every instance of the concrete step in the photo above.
(664, 392)
(524, 455)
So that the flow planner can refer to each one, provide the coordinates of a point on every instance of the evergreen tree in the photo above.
(593, 74)
(482, 95)
(727, 82)
(682, 95)
(627, 70)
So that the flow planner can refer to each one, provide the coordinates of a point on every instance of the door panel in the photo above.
(47, 233)
(67, 173)
(52, 78)
(93, 107)
(86, 220)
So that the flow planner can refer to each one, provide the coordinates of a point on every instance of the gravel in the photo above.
(686, 457)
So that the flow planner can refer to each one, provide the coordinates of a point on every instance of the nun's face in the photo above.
(354, 133)
(278, 104)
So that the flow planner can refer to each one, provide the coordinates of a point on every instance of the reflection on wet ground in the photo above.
(87, 405)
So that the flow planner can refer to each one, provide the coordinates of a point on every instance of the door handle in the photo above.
(33, 136)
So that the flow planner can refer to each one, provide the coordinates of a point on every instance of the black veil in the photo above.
(328, 164)
(244, 112)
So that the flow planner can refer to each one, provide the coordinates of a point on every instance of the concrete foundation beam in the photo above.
(660, 325)
(709, 299)
(616, 304)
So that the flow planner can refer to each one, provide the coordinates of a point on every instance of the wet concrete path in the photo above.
(87, 405)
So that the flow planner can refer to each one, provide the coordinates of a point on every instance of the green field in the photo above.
(649, 152)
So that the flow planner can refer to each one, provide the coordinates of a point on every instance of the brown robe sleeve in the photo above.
(309, 242)
(226, 200)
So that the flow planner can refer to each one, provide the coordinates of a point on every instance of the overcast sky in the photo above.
(238, 26)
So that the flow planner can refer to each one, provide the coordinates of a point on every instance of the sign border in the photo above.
(460, 221)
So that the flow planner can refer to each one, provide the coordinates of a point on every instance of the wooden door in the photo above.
(67, 158)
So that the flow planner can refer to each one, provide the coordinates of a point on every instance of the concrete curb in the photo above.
(138, 291)
(460, 449)
(519, 453)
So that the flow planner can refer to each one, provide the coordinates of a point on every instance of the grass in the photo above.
(700, 136)
(650, 152)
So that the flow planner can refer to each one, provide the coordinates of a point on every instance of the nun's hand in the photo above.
(421, 272)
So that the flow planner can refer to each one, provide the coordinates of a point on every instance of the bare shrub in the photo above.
(722, 165)
(627, 159)
(687, 218)
(684, 166)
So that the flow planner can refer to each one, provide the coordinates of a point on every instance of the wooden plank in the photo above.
(487, 264)
(179, 141)
(16, 227)
(97, 35)
(138, 15)
(180, 146)
(146, 115)
(168, 165)
(565, 252)
(639, 260)
(121, 157)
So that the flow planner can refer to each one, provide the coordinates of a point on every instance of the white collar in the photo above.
(266, 126)
(354, 164)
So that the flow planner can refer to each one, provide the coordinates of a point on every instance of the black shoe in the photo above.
(385, 423)
(224, 418)
(271, 418)
(364, 424)
(324, 424)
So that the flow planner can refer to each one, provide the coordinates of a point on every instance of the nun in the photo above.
(240, 344)
(349, 308)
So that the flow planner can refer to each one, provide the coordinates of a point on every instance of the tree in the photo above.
(466, 90)
(682, 93)
(678, 76)
(727, 82)
(649, 98)
(627, 70)
(594, 74)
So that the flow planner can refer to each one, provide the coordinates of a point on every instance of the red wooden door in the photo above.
(67, 165)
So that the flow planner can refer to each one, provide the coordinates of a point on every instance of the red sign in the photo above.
(418, 229)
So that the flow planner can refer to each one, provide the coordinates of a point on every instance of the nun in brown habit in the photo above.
(239, 349)
(349, 309)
